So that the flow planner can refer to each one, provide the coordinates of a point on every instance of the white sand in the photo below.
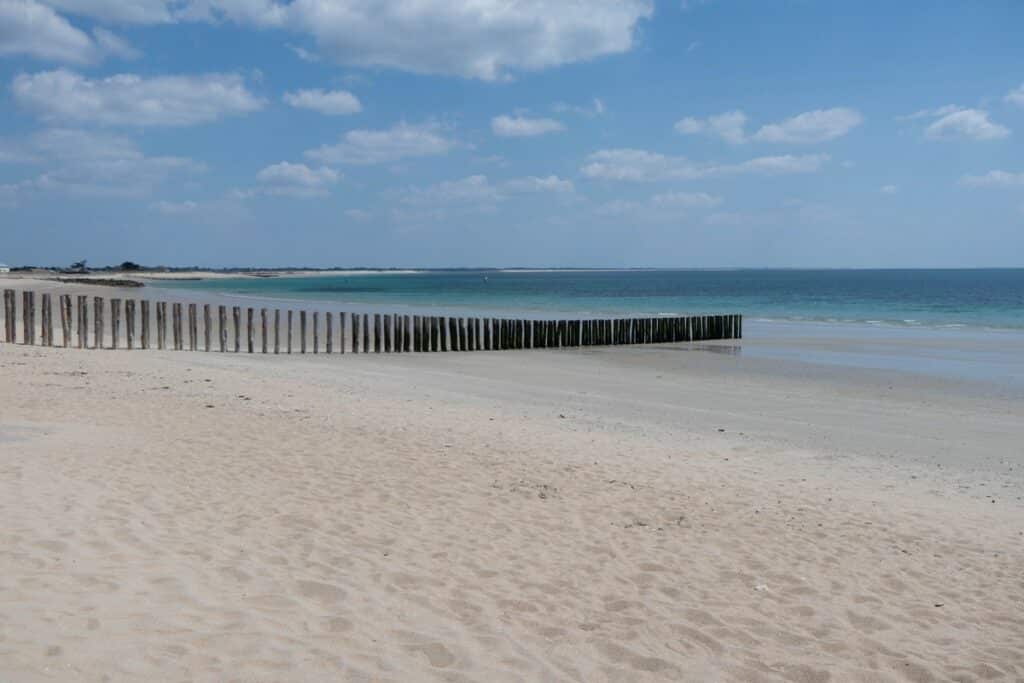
(516, 516)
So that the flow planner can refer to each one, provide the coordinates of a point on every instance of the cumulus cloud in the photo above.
(402, 141)
(1016, 96)
(888, 189)
(686, 200)
(637, 165)
(30, 28)
(994, 179)
(668, 206)
(819, 125)
(88, 164)
(596, 108)
(485, 39)
(330, 103)
(728, 126)
(551, 183)
(953, 122)
(297, 180)
(519, 126)
(130, 100)
(477, 192)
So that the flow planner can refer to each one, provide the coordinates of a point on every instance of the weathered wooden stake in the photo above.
(366, 332)
(341, 332)
(222, 328)
(250, 332)
(355, 333)
(129, 322)
(193, 328)
(97, 322)
(291, 317)
(236, 318)
(161, 325)
(263, 330)
(207, 327)
(144, 324)
(316, 332)
(329, 321)
(302, 331)
(277, 331)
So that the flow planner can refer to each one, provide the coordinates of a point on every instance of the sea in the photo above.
(956, 323)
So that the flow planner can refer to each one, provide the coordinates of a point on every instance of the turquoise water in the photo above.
(979, 299)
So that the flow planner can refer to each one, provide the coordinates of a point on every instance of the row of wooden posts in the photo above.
(369, 332)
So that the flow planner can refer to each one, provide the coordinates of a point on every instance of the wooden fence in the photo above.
(193, 328)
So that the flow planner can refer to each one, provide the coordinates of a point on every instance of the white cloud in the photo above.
(477, 192)
(970, 123)
(888, 189)
(551, 183)
(728, 126)
(131, 100)
(483, 39)
(486, 39)
(596, 108)
(120, 11)
(994, 179)
(1016, 96)
(669, 206)
(330, 103)
(519, 126)
(297, 180)
(819, 125)
(30, 28)
(88, 164)
(641, 166)
(402, 141)
(686, 200)
(175, 208)
(304, 54)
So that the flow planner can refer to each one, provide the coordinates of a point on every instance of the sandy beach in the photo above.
(675, 513)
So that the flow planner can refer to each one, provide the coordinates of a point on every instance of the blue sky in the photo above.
(706, 133)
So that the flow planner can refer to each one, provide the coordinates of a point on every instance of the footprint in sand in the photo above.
(321, 592)
(437, 654)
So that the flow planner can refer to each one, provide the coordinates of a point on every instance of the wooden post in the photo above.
(316, 332)
(416, 337)
(129, 322)
(207, 327)
(8, 314)
(97, 322)
(65, 320)
(376, 333)
(250, 331)
(387, 334)
(236, 318)
(291, 317)
(83, 321)
(176, 323)
(26, 317)
(46, 329)
(161, 325)
(222, 328)
(277, 331)
(355, 333)
(263, 330)
(302, 331)
(329, 321)
(144, 324)
(115, 323)
(193, 328)
(366, 332)
(341, 332)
